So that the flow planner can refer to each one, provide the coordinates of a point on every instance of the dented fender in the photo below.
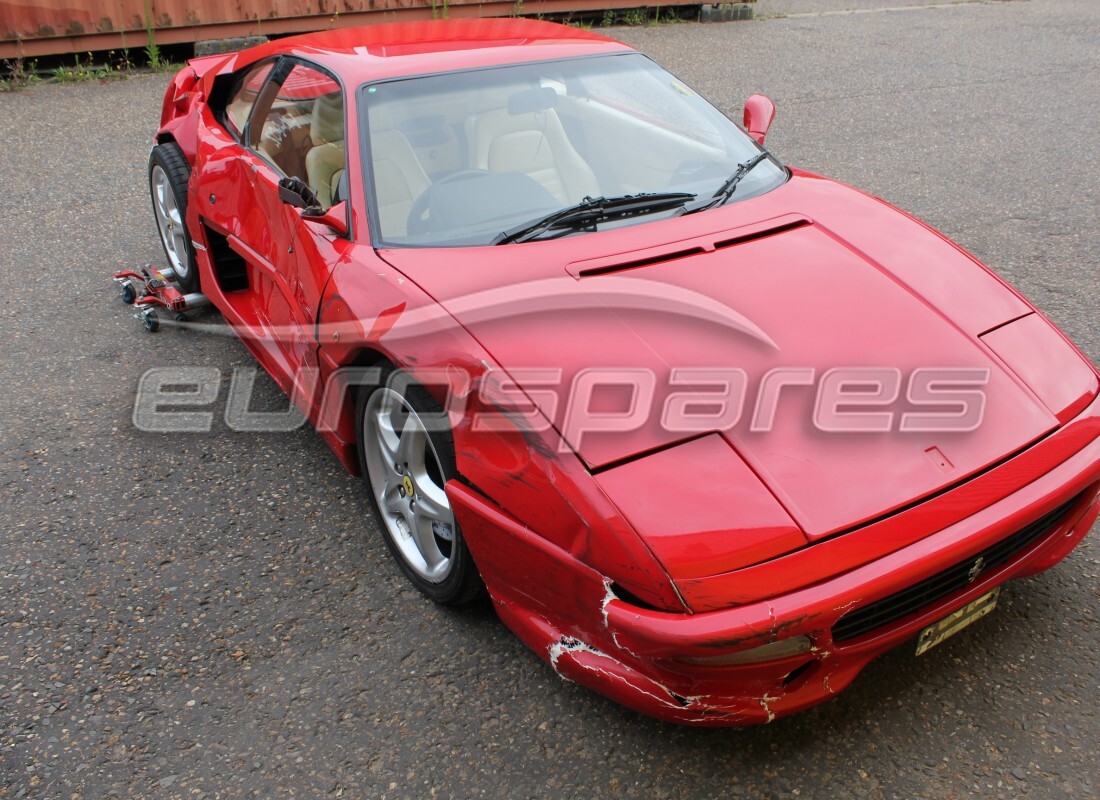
(523, 468)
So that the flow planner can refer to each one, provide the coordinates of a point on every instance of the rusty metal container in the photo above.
(48, 27)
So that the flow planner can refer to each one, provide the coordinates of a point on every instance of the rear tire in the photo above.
(406, 460)
(169, 175)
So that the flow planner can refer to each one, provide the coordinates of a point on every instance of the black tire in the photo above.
(463, 584)
(151, 321)
(129, 294)
(169, 158)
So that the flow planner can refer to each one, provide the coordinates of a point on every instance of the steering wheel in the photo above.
(418, 221)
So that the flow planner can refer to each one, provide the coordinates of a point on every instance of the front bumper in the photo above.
(570, 615)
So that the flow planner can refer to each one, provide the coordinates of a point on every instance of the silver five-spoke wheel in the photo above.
(407, 451)
(169, 177)
(406, 477)
(173, 233)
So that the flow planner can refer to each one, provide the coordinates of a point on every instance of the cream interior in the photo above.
(398, 179)
(326, 161)
(537, 144)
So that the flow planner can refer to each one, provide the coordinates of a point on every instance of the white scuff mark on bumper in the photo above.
(765, 704)
(571, 645)
(608, 596)
(849, 605)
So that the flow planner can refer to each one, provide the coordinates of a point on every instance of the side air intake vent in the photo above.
(230, 270)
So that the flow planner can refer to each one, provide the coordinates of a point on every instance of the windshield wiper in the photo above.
(593, 210)
(726, 190)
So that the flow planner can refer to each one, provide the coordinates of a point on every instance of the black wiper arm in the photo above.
(593, 210)
(726, 190)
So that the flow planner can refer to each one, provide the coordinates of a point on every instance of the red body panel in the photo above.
(359, 55)
(626, 651)
(861, 313)
(709, 540)
(584, 543)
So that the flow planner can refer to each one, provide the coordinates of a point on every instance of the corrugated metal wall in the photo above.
(74, 26)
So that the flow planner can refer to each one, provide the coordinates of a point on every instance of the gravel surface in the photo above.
(212, 615)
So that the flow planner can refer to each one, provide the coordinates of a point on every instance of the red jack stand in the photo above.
(149, 288)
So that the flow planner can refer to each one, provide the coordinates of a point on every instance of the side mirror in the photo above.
(296, 192)
(759, 115)
(335, 218)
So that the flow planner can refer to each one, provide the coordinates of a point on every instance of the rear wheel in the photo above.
(407, 453)
(169, 174)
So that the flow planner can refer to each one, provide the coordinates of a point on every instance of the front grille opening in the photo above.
(920, 595)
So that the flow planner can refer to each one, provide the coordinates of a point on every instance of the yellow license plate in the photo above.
(955, 622)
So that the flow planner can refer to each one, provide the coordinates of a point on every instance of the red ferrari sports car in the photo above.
(711, 432)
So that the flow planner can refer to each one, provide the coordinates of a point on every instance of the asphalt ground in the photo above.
(214, 615)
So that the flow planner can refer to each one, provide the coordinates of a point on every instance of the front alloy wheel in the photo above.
(408, 459)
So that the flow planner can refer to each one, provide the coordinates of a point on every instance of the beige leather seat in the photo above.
(535, 144)
(326, 160)
(398, 180)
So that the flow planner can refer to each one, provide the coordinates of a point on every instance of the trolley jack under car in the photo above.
(149, 288)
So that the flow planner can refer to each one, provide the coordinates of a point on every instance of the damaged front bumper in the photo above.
(657, 662)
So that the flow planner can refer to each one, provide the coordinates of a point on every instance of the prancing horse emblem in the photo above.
(975, 570)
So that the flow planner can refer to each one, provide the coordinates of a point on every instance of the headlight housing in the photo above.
(1044, 360)
(701, 509)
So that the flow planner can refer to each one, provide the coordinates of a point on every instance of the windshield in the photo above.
(456, 159)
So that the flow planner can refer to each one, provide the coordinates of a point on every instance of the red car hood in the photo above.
(813, 275)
